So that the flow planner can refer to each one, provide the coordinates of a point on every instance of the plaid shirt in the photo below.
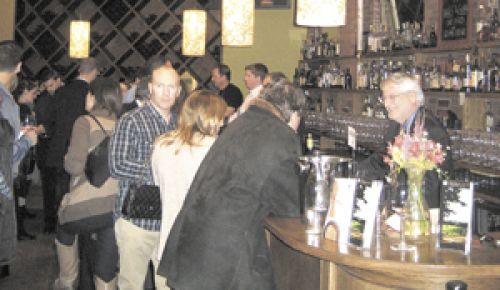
(130, 147)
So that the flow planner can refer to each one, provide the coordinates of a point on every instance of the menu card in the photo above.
(366, 201)
(456, 215)
(338, 218)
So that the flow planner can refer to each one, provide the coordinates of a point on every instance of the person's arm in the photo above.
(122, 143)
(74, 161)
(282, 189)
(21, 147)
(5, 190)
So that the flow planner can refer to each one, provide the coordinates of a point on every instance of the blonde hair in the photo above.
(202, 114)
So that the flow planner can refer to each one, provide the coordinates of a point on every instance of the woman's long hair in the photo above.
(107, 96)
(201, 113)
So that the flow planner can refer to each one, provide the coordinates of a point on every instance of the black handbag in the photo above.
(96, 166)
(142, 202)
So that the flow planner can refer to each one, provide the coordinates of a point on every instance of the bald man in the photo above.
(130, 148)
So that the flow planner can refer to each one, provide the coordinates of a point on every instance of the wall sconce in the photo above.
(320, 13)
(194, 28)
(237, 22)
(79, 39)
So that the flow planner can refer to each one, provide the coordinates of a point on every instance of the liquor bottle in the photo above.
(374, 77)
(371, 40)
(467, 76)
(435, 76)
(362, 77)
(494, 25)
(309, 143)
(432, 37)
(347, 79)
(476, 76)
(426, 77)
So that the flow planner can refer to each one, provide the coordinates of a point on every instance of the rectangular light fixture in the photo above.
(238, 22)
(194, 26)
(320, 13)
(79, 39)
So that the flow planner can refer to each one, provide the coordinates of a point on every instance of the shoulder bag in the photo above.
(96, 166)
(142, 200)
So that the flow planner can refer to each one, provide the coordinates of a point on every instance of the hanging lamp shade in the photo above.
(79, 39)
(237, 22)
(320, 13)
(194, 29)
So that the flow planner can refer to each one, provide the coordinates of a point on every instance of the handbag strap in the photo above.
(99, 124)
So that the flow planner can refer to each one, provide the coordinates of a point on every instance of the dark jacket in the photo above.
(217, 241)
(374, 166)
(8, 237)
(69, 105)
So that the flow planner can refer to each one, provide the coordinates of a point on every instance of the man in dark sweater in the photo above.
(69, 104)
(404, 100)
(221, 77)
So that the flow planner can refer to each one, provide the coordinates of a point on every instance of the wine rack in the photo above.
(124, 34)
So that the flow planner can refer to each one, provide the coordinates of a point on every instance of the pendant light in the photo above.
(320, 13)
(194, 28)
(79, 39)
(238, 22)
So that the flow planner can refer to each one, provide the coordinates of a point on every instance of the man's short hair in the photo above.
(10, 55)
(155, 62)
(285, 97)
(404, 83)
(258, 69)
(224, 70)
(87, 65)
(48, 74)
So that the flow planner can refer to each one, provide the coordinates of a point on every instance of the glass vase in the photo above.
(417, 223)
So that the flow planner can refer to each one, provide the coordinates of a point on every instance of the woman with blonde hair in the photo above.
(177, 154)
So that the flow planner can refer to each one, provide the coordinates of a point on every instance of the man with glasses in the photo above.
(129, 154)
(404, 101)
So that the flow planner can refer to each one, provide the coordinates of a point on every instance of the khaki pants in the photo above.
(136, 247)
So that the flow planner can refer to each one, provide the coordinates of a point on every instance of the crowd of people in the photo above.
(218, 162)
(202, 150)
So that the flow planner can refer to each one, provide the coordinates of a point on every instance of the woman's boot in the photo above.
(68, 266)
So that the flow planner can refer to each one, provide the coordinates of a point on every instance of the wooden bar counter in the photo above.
(303, 262)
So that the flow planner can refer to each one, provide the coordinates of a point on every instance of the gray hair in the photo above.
(285, 97)
(404, 83)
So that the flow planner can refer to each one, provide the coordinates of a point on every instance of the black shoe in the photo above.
(22, 235)
(49, 229)
(26, 213)
(4, 271)
(30, 215)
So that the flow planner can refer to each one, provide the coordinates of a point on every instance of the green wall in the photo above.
(277, 44)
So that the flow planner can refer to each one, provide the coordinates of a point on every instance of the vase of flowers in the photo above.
(415, 154)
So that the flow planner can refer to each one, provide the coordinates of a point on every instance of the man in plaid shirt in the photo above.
(130, 150)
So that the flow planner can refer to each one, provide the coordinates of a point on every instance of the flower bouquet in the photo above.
(415, 154)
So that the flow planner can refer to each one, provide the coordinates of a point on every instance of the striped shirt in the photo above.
(129, 153)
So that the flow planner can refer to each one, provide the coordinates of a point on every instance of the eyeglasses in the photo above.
(394, 97)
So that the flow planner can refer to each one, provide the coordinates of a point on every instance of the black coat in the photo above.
(217, 241)
(69, 105)
(374, 166)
